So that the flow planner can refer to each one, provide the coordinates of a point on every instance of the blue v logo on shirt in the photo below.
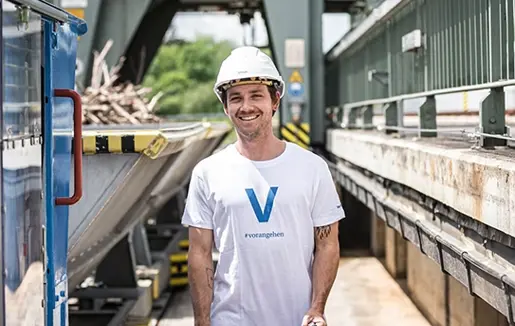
(262, 215)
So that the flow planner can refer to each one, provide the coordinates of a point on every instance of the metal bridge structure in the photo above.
(411, 109)
(420, 95)
(137, 29)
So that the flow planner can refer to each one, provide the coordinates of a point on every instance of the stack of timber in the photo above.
(106, 102)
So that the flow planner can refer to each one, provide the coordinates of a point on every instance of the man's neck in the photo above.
(260, 149)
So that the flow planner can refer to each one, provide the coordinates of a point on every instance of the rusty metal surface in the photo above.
(363, 294)
(477, 183)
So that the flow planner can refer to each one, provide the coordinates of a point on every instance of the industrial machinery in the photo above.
(121, 252)
(76, 202)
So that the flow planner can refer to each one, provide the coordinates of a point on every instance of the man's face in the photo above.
(250, 109)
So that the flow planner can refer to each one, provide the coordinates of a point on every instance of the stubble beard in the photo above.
(259, 132)
(252, 135)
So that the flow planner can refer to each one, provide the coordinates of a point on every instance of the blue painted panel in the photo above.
(60, 57)
(63, 71)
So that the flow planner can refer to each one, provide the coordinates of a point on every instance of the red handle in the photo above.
(77, 145)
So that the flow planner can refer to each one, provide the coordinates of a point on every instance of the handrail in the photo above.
(77, 143)
(43, 8)
(444, 91)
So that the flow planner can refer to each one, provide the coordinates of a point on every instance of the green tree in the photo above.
(185, 74)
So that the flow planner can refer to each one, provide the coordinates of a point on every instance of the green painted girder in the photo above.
(138, 26)
(116, 20)
(330, 6)
(147, 39)
(303, 24)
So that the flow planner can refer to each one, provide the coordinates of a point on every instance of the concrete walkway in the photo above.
(364, 294)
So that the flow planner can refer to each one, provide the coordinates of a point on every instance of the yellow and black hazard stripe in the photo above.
(298, 134)
(179, 269)
(148, 142)
(184, 244)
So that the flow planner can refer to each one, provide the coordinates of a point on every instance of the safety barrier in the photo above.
(492, 129)
(296, 133)
(406, 50)
(179, 266)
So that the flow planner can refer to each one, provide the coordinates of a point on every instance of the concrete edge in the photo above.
(470, 182)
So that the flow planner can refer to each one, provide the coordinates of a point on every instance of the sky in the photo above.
(227, 27)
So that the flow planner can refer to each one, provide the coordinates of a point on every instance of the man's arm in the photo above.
(327, 211)
(325, 264)
(200, 273)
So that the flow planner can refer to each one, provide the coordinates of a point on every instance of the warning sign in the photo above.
(296, 77)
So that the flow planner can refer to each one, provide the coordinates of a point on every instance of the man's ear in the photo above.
(277, 101)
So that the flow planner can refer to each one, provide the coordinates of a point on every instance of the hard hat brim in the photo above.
(222, 86)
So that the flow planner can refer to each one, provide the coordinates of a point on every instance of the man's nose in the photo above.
(245, 105)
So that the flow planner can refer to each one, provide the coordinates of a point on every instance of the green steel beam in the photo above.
(147, 40)
(115, 20)
(332, 83)
(231, 6)
(297, 48)
(137, 27)
(290, 40)
(316, 65)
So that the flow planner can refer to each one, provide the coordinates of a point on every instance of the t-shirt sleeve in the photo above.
(327, 207)
(197, 211)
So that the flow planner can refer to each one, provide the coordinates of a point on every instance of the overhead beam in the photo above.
(330, 6)
(137, 28)
(147, 40)
(116, 20)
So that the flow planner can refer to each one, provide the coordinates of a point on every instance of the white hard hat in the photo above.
(247, 65)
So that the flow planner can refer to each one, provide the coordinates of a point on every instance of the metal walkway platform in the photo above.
(363, 294)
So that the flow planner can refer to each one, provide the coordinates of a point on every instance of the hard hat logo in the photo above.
(247, 65)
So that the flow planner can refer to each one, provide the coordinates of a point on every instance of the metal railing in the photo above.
(491, 131)
(453, 44)
(43, 8)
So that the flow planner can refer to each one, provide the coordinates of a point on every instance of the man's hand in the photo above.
(313, 318)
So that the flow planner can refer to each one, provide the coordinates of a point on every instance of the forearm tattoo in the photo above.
(209, 274)
(323, 232)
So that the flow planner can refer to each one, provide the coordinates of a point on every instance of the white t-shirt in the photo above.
(263, 215)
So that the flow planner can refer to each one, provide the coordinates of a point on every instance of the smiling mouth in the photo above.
(249, 117)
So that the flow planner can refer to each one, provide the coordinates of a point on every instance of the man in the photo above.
(270, 208)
